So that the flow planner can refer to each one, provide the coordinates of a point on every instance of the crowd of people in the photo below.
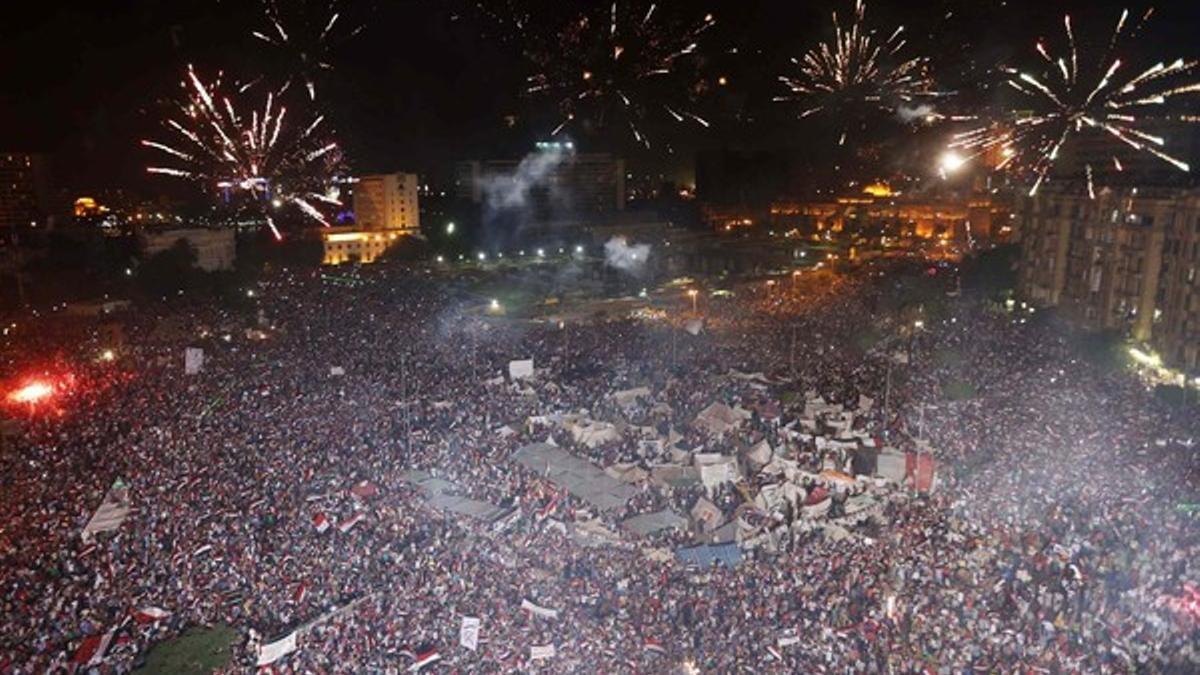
(272, 491)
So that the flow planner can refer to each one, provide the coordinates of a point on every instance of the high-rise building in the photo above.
(1128, 261)
(24, 191)
(554, 182)
(387, 202)
(386, 209)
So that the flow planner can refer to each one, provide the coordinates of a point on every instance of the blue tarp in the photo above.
(728, 555)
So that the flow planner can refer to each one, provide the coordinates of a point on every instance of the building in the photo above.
(355, 245)
(24, 191)
(386, 208)
(554, 182)
(387, 202)
(1127, 261)
(876, 211)
(216, 249)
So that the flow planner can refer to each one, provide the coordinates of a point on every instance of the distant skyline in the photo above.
(420, 87)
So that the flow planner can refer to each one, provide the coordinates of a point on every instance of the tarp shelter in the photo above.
(579, 477)
(440, 494)
(519, 370)
(719, 418)
(627, 473)
(707, 514)
(649, 523)
(592, 433)
(716, 470)
(626, 398)
(891, 465)
(728, 555)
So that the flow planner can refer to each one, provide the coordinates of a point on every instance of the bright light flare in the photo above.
(32, 393)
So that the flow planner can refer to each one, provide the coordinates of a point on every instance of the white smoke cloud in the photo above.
(915, 114)
(619, 254)
(510, 191)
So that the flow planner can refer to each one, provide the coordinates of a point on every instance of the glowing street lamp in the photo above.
(450, 227)
(541, 253)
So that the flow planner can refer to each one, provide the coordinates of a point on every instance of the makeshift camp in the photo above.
(707, 515)
(579, 477)
(627, 398)
(704, 556)
(649, 523)
(719, 418)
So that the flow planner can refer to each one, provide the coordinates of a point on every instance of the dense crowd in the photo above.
(1055, 541)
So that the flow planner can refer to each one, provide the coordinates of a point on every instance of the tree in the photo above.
(170, 271)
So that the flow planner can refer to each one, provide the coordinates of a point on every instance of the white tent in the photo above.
(719, 418)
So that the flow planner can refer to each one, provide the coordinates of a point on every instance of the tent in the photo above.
(704, 556)
(719, 418)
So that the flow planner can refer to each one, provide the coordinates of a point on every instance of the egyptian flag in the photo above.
(365, 490)
(425, 657)
(321, 522)
(550, 508)
(93, 649)
(652, 645)
(349, 524)
(301, 592)
(150, 614)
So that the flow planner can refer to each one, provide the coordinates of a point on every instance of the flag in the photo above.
(652, 645)
(349, 524)
(150, 614)
(93, 649)
(365, 489)
(549, 509)
(321, 522)
(424, 659)
(301, 591)
(543, 652)
(468, 633)
(774, 652)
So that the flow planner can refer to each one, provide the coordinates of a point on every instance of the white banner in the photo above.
(543, 652)
(468, 634)
(193, 360)
(519, 370)
(111, 513)
(539, 610)
(270, 653)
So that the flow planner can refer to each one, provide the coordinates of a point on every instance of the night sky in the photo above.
(427, 82)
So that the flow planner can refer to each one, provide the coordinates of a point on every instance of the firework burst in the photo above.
(304, 33)
(857, 73)
(621, 64)
(269, 157)
(1067, 98)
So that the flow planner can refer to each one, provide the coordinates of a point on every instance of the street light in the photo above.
(450, 228)
(579, 249)
(482, 256)
(541, 253)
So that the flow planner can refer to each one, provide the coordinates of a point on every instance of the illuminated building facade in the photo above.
(876, 211)
(386, 209)
(354, 245)
(1127, 261)
(387, 202)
